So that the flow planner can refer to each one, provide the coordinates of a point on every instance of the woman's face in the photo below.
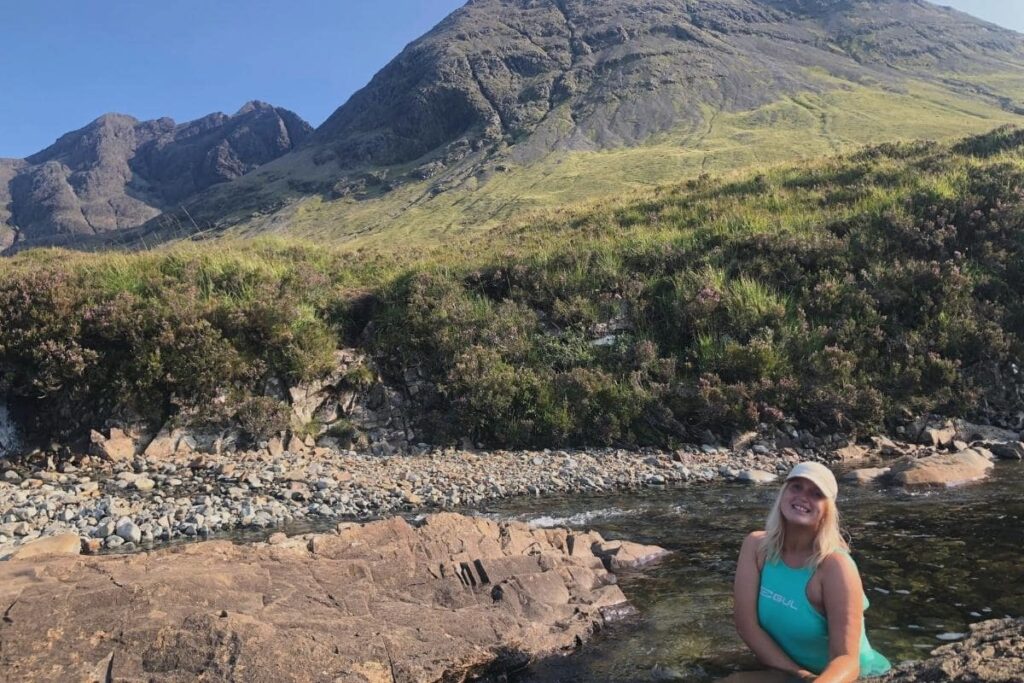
(803, 503)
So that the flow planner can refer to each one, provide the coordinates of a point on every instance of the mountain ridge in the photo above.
(117, 172)
(479, 118)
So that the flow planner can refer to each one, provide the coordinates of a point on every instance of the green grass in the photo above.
(806, 126)
(839, 293)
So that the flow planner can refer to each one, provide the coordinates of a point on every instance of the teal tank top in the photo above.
(784, 611)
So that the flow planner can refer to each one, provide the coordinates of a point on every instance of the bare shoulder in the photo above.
(753, 547)
(839, 568)
(755, 537)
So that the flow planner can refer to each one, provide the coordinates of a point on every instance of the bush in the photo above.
(836, 294)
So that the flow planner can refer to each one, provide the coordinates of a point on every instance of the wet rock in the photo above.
(383, 599)
(627, 555)
(944, 469)
(993, 652)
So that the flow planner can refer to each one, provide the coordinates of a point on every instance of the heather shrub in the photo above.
(841, 294)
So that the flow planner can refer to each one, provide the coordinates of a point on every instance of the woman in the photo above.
(799, 602)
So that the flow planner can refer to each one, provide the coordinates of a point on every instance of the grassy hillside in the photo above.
(841, 293)
(806, 126)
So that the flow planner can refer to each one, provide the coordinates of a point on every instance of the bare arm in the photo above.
(745, 592)
(843, 595)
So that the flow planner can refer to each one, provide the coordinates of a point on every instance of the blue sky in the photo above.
(65, 62)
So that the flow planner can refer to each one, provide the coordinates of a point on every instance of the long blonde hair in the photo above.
(828, 540)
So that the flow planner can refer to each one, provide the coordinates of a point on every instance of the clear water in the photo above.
(931, 563)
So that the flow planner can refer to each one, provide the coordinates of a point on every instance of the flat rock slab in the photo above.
(944, 469)
(384, 601)
(993, 652)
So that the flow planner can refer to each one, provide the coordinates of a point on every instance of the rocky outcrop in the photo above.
(992, 653)
(118, 172)
(385, 601)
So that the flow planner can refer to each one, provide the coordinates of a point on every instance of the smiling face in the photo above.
(803, 503)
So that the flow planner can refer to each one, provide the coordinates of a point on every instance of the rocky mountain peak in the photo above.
(118, 172)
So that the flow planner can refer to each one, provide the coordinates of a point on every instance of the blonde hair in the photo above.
(828, 540)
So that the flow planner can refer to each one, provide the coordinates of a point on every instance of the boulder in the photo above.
(1011, 450)
(756, 476)
(944, 469)
(62, 544)
(118, 447)
(163, 445)
(851, 453)
(937, 437)
(886, 446)
(968, 431)
(627, 555)
(865, 476)
(993, 651)
(383, 601)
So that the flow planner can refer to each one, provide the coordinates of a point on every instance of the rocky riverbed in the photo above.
(136, 502)
(371, 603)
(992, 653)
(126, 500)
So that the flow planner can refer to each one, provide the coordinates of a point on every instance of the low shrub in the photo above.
(837, 294)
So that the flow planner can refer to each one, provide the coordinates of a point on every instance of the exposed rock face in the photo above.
(119, 172)
(376, 602)
(593, 74)
(943, 469)
(501, 84)
(993, 653)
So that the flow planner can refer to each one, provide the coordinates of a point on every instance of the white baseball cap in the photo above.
(819, 474)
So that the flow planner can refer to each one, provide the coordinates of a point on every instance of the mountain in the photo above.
(118, 172)
(509, 106)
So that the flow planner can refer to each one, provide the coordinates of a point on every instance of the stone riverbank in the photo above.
(136, 501)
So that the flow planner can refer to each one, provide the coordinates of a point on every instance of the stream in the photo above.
(932, 563)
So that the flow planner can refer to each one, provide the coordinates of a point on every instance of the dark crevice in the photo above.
(7, 612)
(481, 572)
(560, 7)
(467, 574)
(486, 95)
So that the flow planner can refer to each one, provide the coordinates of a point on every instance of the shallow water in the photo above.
(932, 563)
